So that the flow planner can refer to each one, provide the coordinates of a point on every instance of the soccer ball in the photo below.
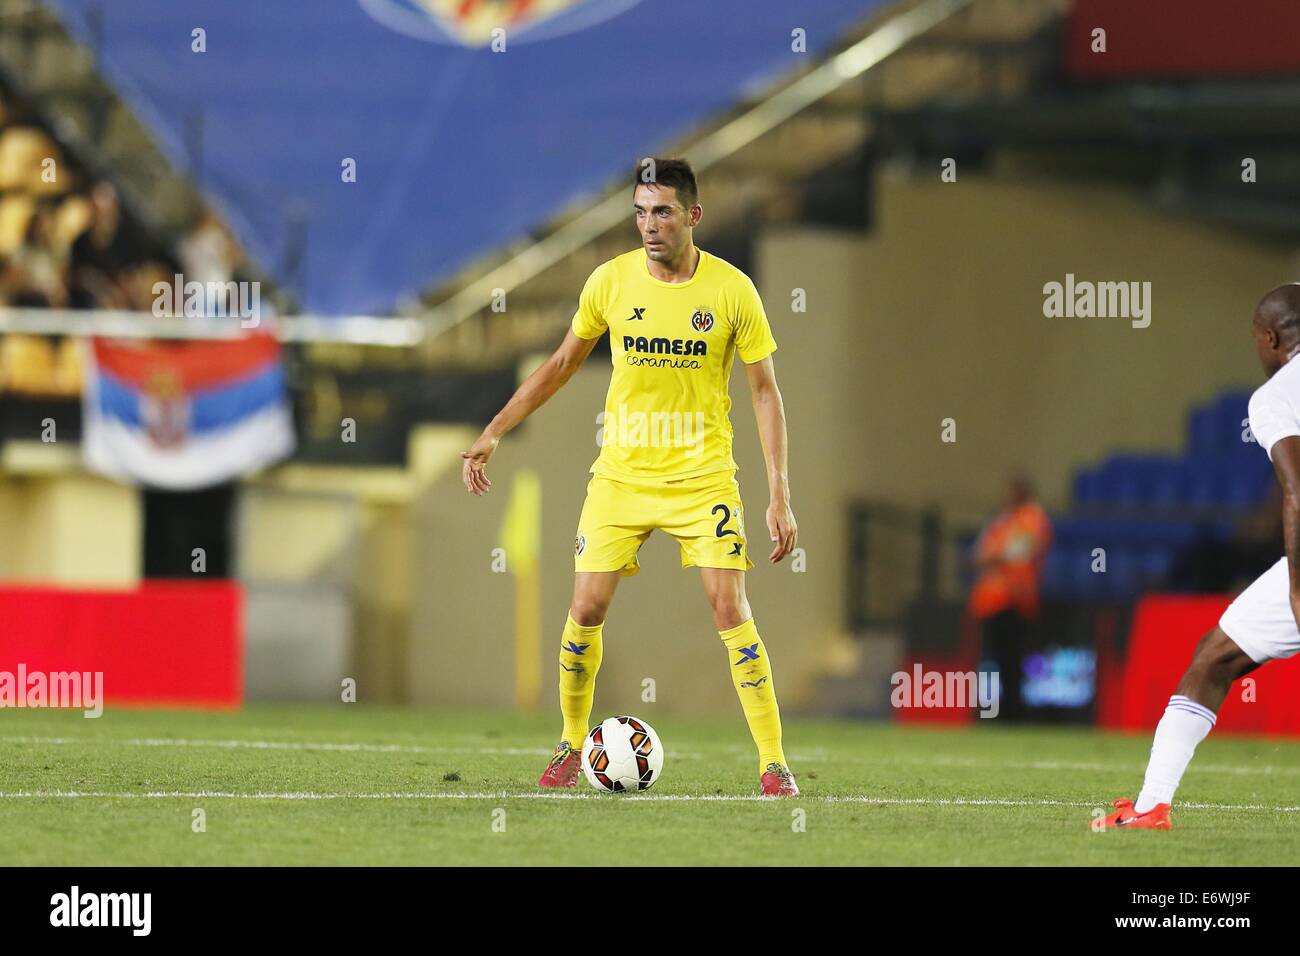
(622, 753)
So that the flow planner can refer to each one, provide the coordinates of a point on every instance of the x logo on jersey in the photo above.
(636, 314)
(735, 549)
(747, 654)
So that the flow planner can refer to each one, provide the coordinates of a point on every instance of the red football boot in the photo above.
(778, 781)
(1157, 818)
(563, 769)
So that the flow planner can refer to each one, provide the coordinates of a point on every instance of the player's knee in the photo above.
(730, 611)
(588, 611)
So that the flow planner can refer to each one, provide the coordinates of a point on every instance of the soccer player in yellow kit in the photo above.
(676, 317)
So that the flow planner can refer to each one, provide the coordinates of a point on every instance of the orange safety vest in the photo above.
(1017, 539)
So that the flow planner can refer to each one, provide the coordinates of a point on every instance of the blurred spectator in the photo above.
(35, 273)
(65, 246)
(137, 283)
(113, 264)
(101, 254)
(1004, 599)
(209, 253)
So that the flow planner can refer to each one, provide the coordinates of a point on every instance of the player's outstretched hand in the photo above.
(781, 528)
(476, 482)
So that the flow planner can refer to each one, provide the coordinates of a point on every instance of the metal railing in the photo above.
(346, 329)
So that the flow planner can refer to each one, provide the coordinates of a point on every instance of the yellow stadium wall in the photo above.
(951, 312)
(72, 529)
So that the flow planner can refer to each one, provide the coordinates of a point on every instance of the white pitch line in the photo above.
(298, 745)
(1074, 765)
(652, 798)
(806, 757)
(280, 745)
(324, 746)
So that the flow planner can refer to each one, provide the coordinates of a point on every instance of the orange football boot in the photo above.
(778, 781)
(564, 767)
(1157, 818)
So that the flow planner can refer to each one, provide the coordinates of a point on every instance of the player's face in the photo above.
(664, 223)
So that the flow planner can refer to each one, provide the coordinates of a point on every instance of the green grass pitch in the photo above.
(352, 785)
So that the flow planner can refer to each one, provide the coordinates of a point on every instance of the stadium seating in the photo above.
(1142, 510)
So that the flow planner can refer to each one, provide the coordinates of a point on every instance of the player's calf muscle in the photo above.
(1216, 663)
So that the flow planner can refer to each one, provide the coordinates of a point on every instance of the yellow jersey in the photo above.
(672, 344)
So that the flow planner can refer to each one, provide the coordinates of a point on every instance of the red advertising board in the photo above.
(1164, 634)
(162, 643)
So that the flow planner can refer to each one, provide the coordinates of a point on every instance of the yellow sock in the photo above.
(751, 673)
(580, 651)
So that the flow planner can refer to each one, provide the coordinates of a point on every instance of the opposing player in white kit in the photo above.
(1264, 621)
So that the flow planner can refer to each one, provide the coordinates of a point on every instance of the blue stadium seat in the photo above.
(1087, 487)
(1200, 431)
(1218, 476)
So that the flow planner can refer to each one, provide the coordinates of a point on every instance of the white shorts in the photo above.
(1260, 620)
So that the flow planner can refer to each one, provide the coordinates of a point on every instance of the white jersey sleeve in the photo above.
(1273, 414)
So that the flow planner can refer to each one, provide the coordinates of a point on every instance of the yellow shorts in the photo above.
(704, 514)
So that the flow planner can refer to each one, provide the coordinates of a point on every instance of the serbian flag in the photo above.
(185, 415)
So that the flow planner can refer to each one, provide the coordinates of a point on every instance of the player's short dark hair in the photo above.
(1280, 311)
(676, 173)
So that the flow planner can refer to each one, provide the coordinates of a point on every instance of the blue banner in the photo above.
(458, 146)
